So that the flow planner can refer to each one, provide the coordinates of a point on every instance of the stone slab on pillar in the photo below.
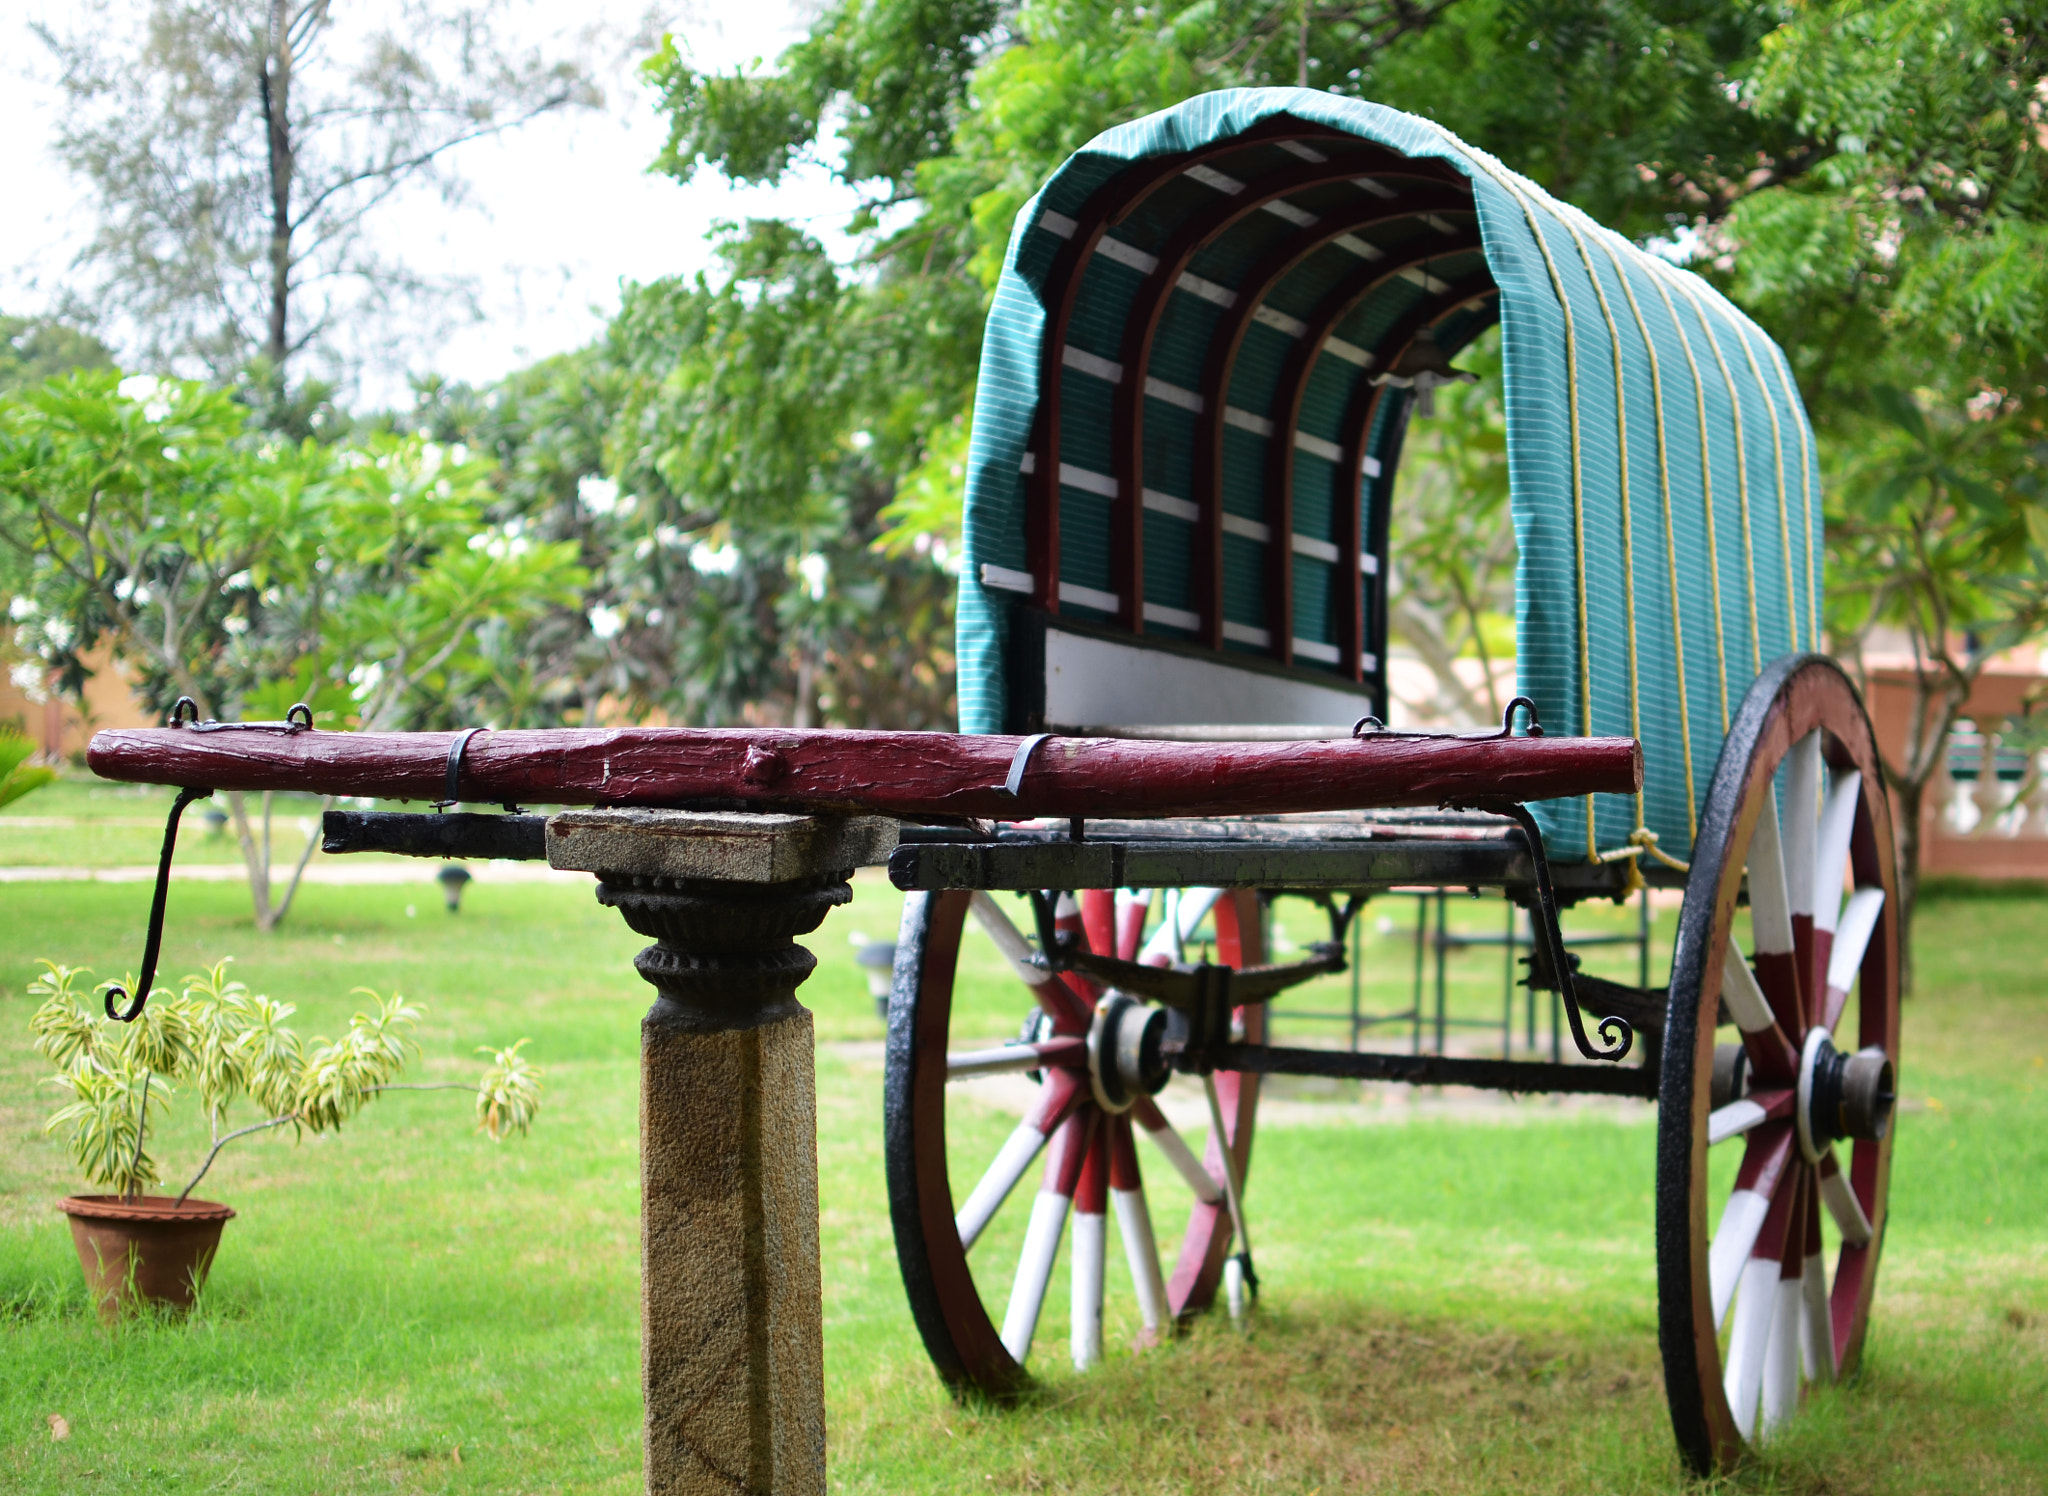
(731, 1307)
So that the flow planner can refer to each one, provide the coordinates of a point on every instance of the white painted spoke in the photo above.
(1219, 1138)
(1011, 1059)
(1781, 1360)
(1840, 1199)
(988, 1196)
(1132, 906)
(1733, 1120)
(1748, 1344)
(1233, 1286)
(1091, 1239)
(1185, 1164)
(1831, 857)
(1736, 1237)
(1817, 1339)
(1141, 1251)
(1034, 1272)
(1770, 913)
(1747, 1004)
(1185, 910)
(1859, 920)
(1008, 939)
(1802, 824)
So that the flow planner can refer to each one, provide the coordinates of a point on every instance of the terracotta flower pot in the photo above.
(149, 1247)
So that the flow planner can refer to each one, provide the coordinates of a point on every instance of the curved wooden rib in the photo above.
(1216, 379)
(1110, 204)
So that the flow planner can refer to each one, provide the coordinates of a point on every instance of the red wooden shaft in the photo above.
(906, 774)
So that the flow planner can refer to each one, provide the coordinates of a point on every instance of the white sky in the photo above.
(563, 209)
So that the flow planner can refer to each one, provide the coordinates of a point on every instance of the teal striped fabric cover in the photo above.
(1693, 480)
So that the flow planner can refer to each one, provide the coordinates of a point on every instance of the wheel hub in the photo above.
(1125, 1055)
(1842, 1095)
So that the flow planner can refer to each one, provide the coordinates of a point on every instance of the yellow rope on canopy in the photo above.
(1699, 389)
(1670, 557)
(1784, 514)
(1756, 646)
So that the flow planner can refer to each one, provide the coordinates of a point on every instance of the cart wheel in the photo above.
(1806, 1059)
(1085, 1120)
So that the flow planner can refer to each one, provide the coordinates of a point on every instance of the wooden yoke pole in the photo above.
(906, 774)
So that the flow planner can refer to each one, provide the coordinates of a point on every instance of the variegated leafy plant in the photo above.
(229, 1044)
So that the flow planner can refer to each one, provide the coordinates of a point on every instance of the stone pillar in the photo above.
(731, 1311)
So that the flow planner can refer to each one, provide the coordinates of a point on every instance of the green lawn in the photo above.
(1449, 1305)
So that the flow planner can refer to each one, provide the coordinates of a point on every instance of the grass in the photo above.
(1450, 1305)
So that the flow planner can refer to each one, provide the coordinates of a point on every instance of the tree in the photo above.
(239, 151)
(1906, 271)
(247, 572)
(33, 349)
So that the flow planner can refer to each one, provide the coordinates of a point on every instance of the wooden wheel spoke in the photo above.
(1800, 841)
(1771, 1054)
(1091, 1241)
(1064, 1091)
(1132, 907)
(1830, 869)
(1817, 1338)
(1739, 1117)
(1788, 1312)
(1048, 1223)
(1185, 911)
(1068, 1013)
(1167, 1139)
(1134, 1221)
(1014, 1059)
(1742, 1220)
(1757, 1307)
(1851, 943)
(1839, 1196)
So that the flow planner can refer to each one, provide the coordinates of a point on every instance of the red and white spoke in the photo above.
(1096, 1057)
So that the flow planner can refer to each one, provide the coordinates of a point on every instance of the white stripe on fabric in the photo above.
(1370, 467)
(1244, 633)
(1244, 420)
(1179, 618)
(1208, 290)
(1088, 597)
(1368, 663)
(1028, 463)
(1322, 654)
(1316, 550)
(1209, 177)
(1369, 563)
(1415, 275)
(1087, 482)
(1250, 529)
(1057, 223)
(1300, 217)
(1377, 189)
(1089, 363)
(1167, 504)
(1279, 321)
(1351, 353)
(1442, 226)
(1005, 580)
(1359, 247)
(1127, 254)
(1173, 394)
(1305, 152)
(1317, 447)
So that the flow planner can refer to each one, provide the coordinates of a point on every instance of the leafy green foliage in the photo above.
(228, 1043)
(17, 775)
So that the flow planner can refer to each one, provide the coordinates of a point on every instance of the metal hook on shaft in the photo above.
(153, 943)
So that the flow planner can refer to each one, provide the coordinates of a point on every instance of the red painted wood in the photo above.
(906, 774)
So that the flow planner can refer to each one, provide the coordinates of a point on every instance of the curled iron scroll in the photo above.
(152, 944)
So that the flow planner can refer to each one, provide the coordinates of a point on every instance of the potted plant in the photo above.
(227, 1044)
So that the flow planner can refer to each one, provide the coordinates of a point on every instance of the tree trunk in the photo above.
(1911, 796)
(273, 82)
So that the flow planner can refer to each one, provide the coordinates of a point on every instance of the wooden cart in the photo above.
(1212, 328)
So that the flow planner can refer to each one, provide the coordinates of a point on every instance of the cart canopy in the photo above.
(1210, 329)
